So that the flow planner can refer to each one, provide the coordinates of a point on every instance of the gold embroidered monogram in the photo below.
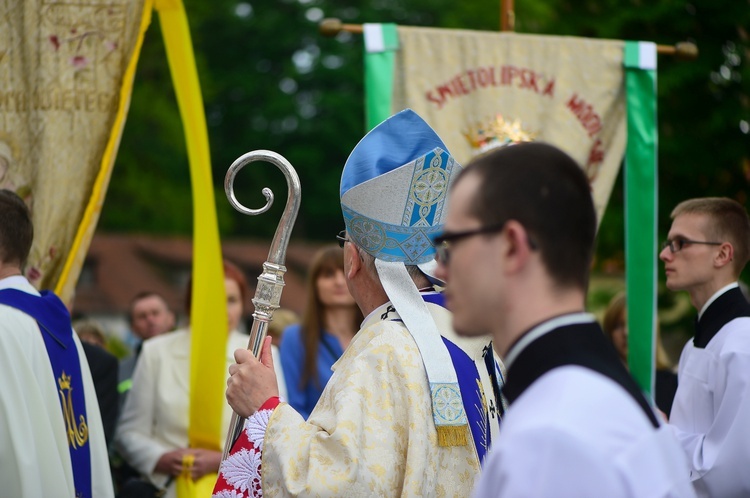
(78, 433)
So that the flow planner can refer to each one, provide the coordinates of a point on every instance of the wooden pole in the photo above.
(681, 50)
(507, 16)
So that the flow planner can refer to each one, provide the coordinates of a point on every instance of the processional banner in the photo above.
(472, 86)
(66, 73)
(66, 76)
(586, 96)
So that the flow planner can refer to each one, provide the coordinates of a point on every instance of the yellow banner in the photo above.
(208, 313)
(562, 90)
(66, 72)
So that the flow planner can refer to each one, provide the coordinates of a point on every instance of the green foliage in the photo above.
(270, 81)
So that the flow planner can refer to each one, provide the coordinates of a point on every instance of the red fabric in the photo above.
(239, 474)
(270, 404)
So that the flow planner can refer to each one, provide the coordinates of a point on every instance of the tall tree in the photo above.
(271, 81)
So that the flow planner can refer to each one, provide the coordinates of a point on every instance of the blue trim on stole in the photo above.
(475, 404)
(54, 322)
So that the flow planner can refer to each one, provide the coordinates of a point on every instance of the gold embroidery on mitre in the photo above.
(78, 433)
(497, 132)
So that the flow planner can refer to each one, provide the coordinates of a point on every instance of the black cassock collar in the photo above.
(730, 305)
(580, 344)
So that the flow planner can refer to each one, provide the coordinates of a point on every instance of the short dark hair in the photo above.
(16, 229)
(143, 295)
(729, 222)
(546, 191)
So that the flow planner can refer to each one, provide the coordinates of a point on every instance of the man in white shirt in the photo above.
(515, 253)
(707, 247)
(51, 435)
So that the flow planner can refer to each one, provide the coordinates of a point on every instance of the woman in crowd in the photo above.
(330, 320)
(153, 431)
(616, 329)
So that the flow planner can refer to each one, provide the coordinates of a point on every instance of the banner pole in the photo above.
(507, 16)
(332, 26)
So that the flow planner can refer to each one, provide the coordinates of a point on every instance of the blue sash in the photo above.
(54, 322)
(475, 402)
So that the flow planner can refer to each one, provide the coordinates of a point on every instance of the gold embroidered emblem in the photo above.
(78, 433)
(496, 132)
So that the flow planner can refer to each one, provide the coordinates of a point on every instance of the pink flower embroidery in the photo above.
(33, 274)
(79, 62)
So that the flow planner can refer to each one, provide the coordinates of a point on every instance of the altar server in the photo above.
(707, 247)
(515, 253)
(51, 435)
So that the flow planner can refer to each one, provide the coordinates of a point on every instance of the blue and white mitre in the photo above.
(394, 190)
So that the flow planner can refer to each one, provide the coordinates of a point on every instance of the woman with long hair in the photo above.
(330, 320)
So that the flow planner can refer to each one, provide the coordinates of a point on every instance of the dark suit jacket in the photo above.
(104, 371)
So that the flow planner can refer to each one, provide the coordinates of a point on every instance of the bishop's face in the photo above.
(473, 283)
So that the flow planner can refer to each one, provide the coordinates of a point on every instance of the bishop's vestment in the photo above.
(372, 431)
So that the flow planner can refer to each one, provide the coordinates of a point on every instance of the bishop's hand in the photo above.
(251, 382)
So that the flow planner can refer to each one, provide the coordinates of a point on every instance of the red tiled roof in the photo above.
(119, 266)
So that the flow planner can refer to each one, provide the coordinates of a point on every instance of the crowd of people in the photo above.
(444, 350)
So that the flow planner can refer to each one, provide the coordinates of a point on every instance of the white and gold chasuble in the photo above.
(371, 433)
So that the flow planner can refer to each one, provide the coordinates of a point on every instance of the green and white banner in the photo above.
(478, 89)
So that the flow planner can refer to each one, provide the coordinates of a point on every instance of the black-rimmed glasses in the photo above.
(443, 242)
(678, 243)
(341, 237)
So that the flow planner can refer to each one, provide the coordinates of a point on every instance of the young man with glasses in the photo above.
(515, 254)
(411, 408)
(707, 247)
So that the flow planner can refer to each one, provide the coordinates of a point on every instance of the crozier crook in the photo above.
(271, 280)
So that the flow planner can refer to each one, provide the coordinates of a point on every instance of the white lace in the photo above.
(229, 493)
(241, 470)
(255, 427)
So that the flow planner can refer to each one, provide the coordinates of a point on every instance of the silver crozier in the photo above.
(271, 280)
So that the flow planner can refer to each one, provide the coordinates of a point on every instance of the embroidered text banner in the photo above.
(66, 72)
(563, 90)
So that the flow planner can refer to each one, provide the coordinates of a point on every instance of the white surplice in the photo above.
(711, 411)
(574, 432)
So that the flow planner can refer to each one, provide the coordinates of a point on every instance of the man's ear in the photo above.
(352, 260)
(518, 247)
(725, 255)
